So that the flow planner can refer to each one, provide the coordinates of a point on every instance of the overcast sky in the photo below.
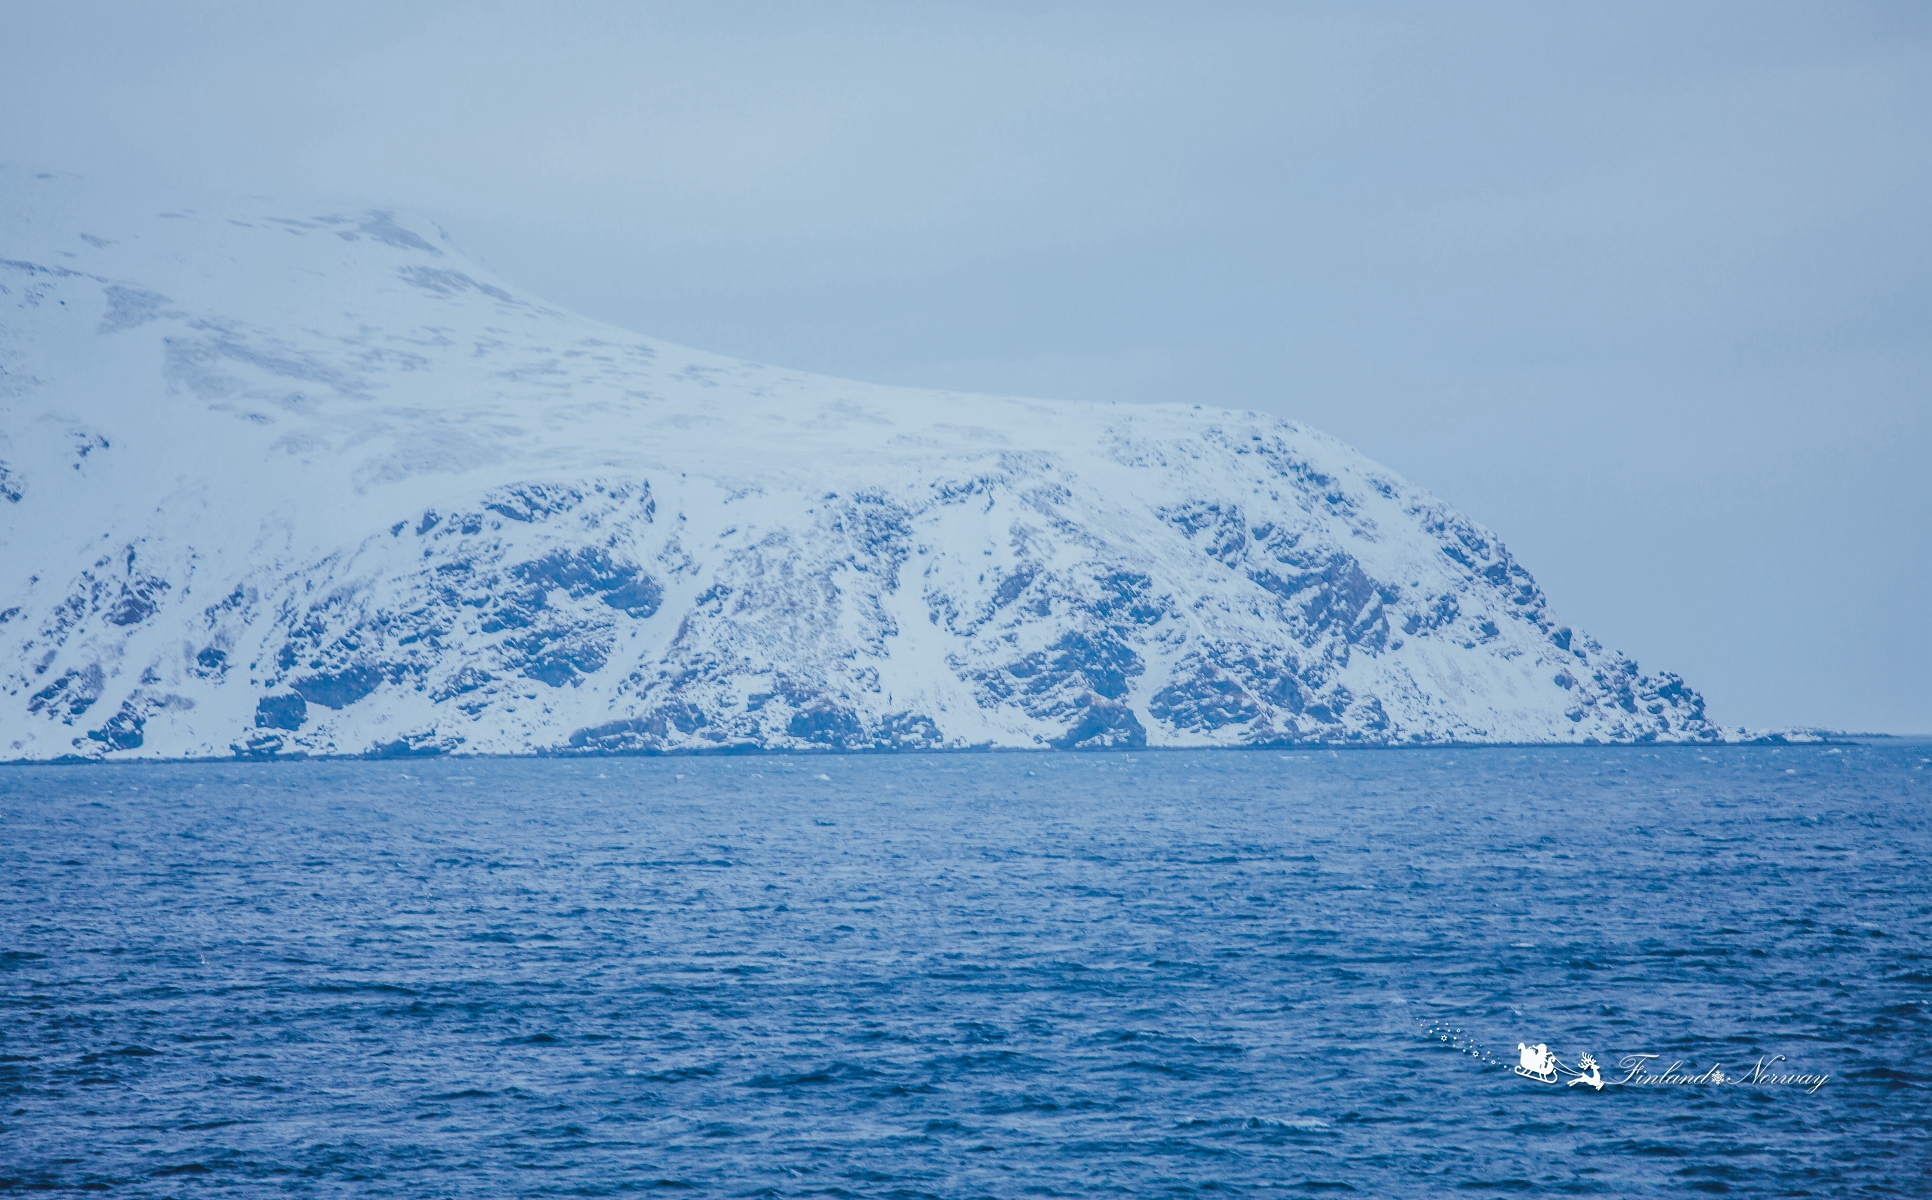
(1645, 288)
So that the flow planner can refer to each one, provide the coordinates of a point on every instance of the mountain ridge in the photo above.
(281, 481)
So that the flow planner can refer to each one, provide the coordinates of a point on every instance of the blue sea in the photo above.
(1148, 974)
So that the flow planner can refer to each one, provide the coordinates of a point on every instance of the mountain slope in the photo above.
(278, 481)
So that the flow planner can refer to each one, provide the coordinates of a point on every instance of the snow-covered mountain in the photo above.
(283, 480)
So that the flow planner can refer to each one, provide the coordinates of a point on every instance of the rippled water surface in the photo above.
(968, 975)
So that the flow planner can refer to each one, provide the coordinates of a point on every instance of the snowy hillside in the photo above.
(280, 480)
